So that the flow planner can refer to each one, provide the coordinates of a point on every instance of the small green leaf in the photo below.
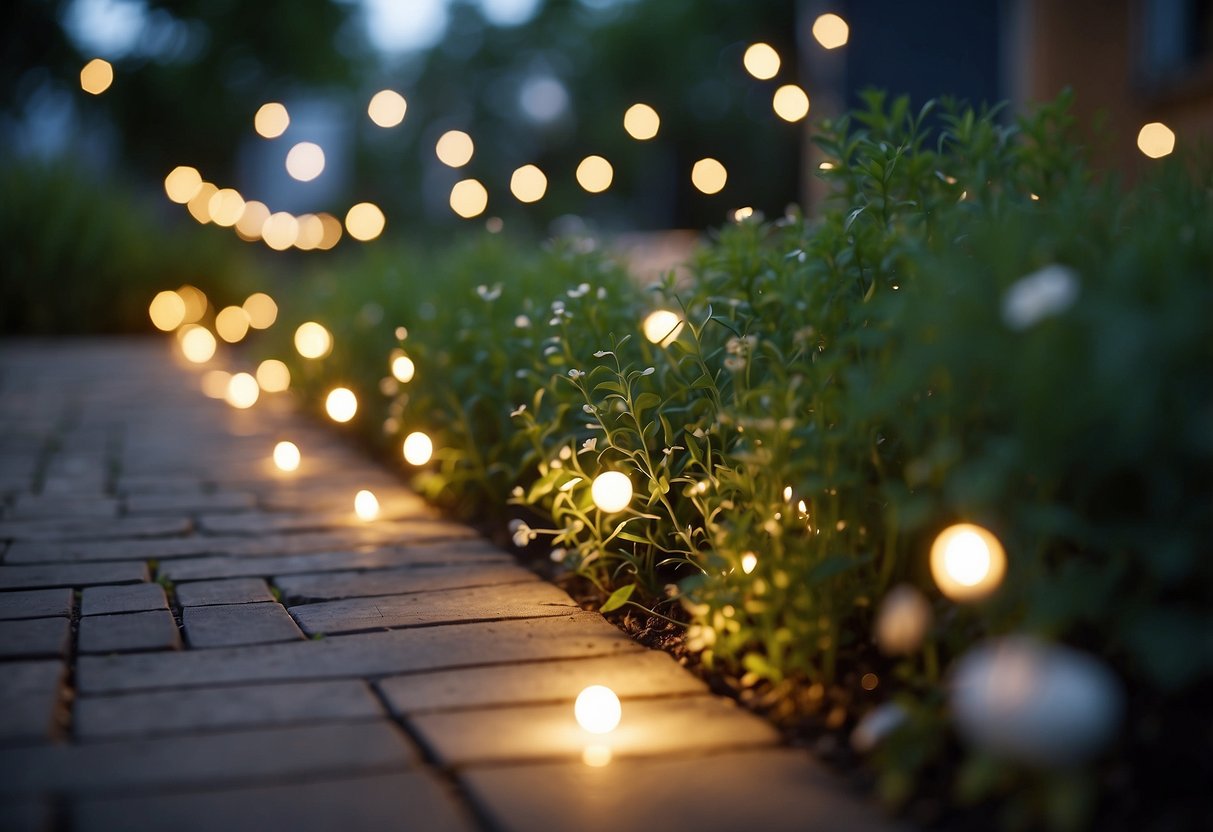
(618, 598)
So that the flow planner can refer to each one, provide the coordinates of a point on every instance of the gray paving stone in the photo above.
(227, 758)
(103, 600)
(775, 790)
(36, 603)
(101, 550)
(88, 529)
(70, 574)
(527, 600)
(685, 726)
(33, 637)
(154, 630)
(261, 523)
(232, 591)
(156, 484)
(235, 706)
(29, 700)
(368, 654)
(641, 674)
(33, 506)
(333, 585)
(189, 503)
(230, 625)
(399, 800)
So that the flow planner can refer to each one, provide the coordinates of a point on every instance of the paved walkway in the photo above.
(190, 639)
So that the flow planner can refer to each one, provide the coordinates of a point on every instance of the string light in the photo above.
(790, 103)
(273, 376)
(182, 184)
(469, 198)
(232, 324)
(215, 383)
(341, 404)
(286, 456)
(242, 391)
(387, 108)
(261, 310)
(96, 76)
(709, 176)
(611, 491)
(642, 122)
(252, 221)
(454, 148)
(305, 161)
(271, 120)
(366, 505)
(761, 60)
(198, 345)
(364, 221)
(528, 184)
(597, 709)
(312, 340)
(749, 562)
(1156, 140)
(595, 174)
(831, 31)
(280, 230)
(418, 448)
(662, 327)
(967, 562)
(167, 311)
(403, 368)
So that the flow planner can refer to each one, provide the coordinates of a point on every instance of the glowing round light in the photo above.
(311, 232)
(595, 174)
(742, 214)
(195, 302)
(280, 230)
(790, 103)
(469, 198)
(242, 391)
(366, 505)
(341, 404)
(364, 221)
(305, 161)
(312, 340)
(198, 345)
(709, 176)
(332, 231)
(418, 448)
(749, 561)
(231, 324)
(967, 562)
(761, 60)
(662, 327)
(200, 202)
(902, 621)
(1156, 140)
(387, 108)
(642, 122)
(96, 76)
(215, 383)
(273, 376)
(454, 148)
(831, 31)
(287, 456)
(528, 184)
(261, 310)
(597, 709)
(249, 226)
(182, 184)
(167, 311)
(403, 368)
(271, 120)
(611, 491)
(225, 206)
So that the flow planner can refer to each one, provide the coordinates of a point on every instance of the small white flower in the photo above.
(558, 555)
(603, 353)
(522, 322)
(734, 363)
(649, 371)
(588, 408)
(518, 411)
(518, 492)
(488, 294)
(575, 374)
(1042, 294)
(522, 533)
(554, 321)
(550, 350)
(571, 484)
(588, 445)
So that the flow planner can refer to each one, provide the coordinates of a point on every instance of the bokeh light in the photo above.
(403, 368)
(528, 184)
(454, 148)
(902, 621)
(214, 383)
(595, 174)
(271, 120)
(341, 404)
(417, 448)
(1156, 140)
(252, 220)
(366, 505)
(182, 184)
(167, 311)
(225, 207)
(387, 108)
(242, 390)
(311, 232)
(611, 491)
(469, 198)
(749, 562)
(96, 76)
(790, 103)
(231, 324)
(195, 302)
(743, 213)
(597, 709)
(200, 203)
(287, 456)
(332, 231)
(312, 340)
(642, 122)
(831, 31)
(280, 230)
(364, 221)
(967, 562)
(198, 344)
(305, 161)
(662, 326)
(709, 176)
(273, 376)
(261, 309)
(762, 61)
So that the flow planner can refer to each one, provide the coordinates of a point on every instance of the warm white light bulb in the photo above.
(341, 404)
(612, 491)
(748, 562)
(312, 340)
(662, 327)
(242, 391)
(597, 709)
(286, 456)
(403, 368)
(418, 448)
(967, 562)
(366, 505)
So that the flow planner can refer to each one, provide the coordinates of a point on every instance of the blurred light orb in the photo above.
(454, 148)
(831, 31)
(528, 184)
(167, 311)
(341, 404)
(595, 174)
(252, 220)
(225, 206)
(261, 309)
(790, 103)
(642, 122)
(271, 120)
(280, 230)
(967, 562)
(364, 221)
(96, 76)
(543, 99)
(597, 709)
(761, 60)
(366, 505)
(611, 491)
(182, 184)
(231, 324)
(743, 213)
(312, 340)
(273, 376)
(305, 161)
(749, 562)
(332, 231)
(902, 621)
(662, 327)
(287, 456)
(198, 345)
(1043, 704)
(596, 756)
(403, 368)
(418, 448)
(195, 302)
(387, 108)
(1156, 140)
(199, 205)
(709, 176)
(242, 391)
(215, 383)
(469, 198)
(311, 232)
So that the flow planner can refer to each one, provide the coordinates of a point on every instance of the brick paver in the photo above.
(435, 691)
